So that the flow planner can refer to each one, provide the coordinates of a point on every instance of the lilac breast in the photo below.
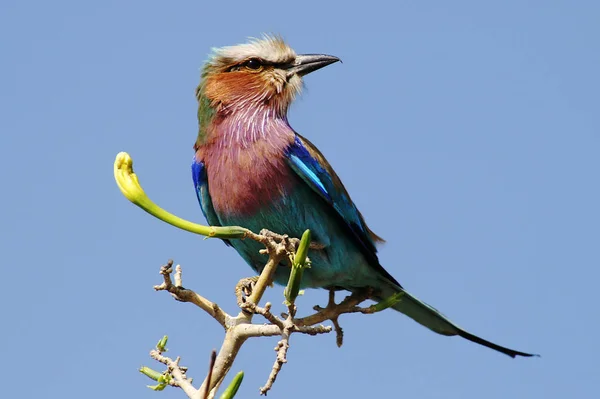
(246, 165)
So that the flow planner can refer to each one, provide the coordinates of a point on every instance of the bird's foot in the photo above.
(243, 290)
(291, 244)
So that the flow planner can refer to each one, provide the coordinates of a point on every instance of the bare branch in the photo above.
(258, 330)
(281, 349)
(313, 330)
(184, 295)
(265, 312)
(239, 328)
(339, 332)
(276, 255)
(211, 365)
(176, 371)
(333, 310)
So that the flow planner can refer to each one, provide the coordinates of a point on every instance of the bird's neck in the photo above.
(239, 125)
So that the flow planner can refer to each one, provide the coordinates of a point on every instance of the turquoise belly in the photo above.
(339, 264)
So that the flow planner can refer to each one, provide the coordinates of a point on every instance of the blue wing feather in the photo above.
(300, 161)
(203, 195)
(199, 177)
(306, 160)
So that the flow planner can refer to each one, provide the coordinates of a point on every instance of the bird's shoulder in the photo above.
(310, 162)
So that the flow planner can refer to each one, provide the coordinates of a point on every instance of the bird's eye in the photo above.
(253, 63)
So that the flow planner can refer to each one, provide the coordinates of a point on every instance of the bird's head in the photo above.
(264, 72)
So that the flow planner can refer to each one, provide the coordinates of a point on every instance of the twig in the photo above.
(266, 313)
(287, 328)
(339, 332)
(333, 310)
(277, 252)
(281, 349)
(176, 371)
(178, 276)
(211, 364)
(184, 295)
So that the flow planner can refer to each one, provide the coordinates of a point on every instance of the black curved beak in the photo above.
(307, 63)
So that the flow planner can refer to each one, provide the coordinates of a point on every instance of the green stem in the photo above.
(161, 346)
(293, 287)
(387, 302)
(148, 372)
(233, 387)
(133, 191)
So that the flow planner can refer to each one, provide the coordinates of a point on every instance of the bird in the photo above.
(252, 169)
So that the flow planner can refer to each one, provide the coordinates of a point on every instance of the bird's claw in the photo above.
(243, 290)
(290, 244)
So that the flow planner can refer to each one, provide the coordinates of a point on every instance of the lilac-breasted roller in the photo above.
(252, 169)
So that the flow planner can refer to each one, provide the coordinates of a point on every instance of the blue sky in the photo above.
(467, 133)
